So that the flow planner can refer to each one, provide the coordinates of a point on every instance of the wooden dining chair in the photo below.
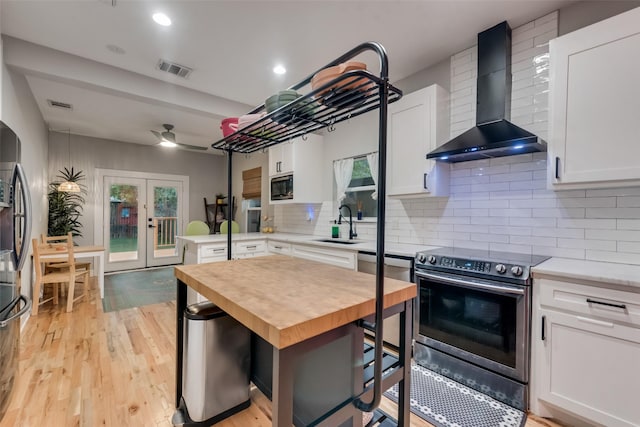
(57, 276)
(52, 265)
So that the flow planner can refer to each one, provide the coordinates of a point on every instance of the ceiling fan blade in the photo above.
(169, 136)
(192, 147)
(157, 134)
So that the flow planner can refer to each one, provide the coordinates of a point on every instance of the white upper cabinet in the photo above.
(281, 159)
(418, 123)
(594, 138)
(303, 159)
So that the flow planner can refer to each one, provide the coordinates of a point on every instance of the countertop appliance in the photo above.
(15, 235)
(282, 187)
(396, 267)
(494, 135)
(474, 310)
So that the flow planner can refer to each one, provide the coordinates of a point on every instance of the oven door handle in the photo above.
(471, 283)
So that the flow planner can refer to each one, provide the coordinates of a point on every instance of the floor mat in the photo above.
(138, 288)
(444, 402)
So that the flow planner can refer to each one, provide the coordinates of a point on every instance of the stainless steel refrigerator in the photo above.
(15, 236)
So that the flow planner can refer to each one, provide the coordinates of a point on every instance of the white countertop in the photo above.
(605, 273)
(399, 249)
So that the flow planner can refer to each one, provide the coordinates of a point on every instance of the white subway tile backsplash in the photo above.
(619, 257)
(559, 252)
(512, 176)
(558, 212)
(490, 220)
(605, 224)
(628, 201)
(510, 230)
(503, 204)
(492, 238)
(511, 194)
(511, 213)
(630, 213)
(471, 228)
(505, 247)
(633, 247)
(533, 240)
(569, 233)
(602, 245)
(628, 224)
(487, 204)
(619, 235)
(533, 222)
(470, 244)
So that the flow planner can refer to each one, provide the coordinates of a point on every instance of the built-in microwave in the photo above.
(282, 187)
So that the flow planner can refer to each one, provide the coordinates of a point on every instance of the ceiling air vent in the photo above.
(58, 104)
(175, 69)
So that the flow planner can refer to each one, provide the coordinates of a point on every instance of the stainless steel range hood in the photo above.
(493, 135)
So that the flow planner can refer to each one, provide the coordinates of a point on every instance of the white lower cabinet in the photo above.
(250, 249)
(275, 247)
(340, 258)
(586, 352)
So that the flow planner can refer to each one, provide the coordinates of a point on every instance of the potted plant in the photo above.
(66, 207)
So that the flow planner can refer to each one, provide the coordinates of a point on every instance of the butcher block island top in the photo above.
(287, 300)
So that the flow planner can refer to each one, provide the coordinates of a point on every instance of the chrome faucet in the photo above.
(352, 231)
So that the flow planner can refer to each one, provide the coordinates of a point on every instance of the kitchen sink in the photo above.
(339, 241)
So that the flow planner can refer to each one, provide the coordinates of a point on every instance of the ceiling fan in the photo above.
(168, 139)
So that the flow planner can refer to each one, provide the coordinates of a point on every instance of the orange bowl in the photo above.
(326, 75)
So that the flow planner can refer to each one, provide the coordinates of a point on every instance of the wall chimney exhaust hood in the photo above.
(493, 135)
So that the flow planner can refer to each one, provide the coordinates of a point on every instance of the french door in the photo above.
(140, 221)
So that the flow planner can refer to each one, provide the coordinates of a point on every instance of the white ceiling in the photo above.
(231, 46)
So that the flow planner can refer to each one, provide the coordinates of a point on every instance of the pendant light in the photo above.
(69, 186)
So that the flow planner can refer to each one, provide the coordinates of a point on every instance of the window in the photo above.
(360, 189)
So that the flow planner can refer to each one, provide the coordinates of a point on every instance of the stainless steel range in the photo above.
(474, 311)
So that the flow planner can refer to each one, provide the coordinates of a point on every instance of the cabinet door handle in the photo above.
(424, 181)
(557, 167)
(277, 247)
(251, 247)
(608, 304)
(543, 335)
(219, 250)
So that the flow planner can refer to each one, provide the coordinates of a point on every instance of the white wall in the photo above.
(20, 112)
(207, 172)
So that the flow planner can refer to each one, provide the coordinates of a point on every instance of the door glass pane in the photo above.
(165, 221)
(123, 223)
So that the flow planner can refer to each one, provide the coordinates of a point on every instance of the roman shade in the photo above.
(252, 183)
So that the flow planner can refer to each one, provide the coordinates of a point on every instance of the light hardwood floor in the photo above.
(90, 368)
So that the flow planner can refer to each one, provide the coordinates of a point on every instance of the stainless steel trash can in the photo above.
(216, 364)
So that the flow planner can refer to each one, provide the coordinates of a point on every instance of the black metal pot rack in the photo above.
(349, 95)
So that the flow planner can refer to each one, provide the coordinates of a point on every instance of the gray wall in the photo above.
(20, 112)
(206, 172)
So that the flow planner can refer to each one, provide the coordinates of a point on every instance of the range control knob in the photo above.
(516, 270)
(432, 259)
(501, 269)
(422, 258)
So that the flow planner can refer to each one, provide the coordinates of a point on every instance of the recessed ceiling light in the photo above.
(161, 19)
(279, 69)
(168, 144)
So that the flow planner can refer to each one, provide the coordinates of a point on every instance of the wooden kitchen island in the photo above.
(299, 308)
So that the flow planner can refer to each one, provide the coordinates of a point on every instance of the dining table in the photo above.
(88, 251)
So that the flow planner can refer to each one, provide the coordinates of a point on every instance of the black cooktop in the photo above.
(512, 267)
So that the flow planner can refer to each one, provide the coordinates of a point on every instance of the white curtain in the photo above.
(372, 159)
(343, 169)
